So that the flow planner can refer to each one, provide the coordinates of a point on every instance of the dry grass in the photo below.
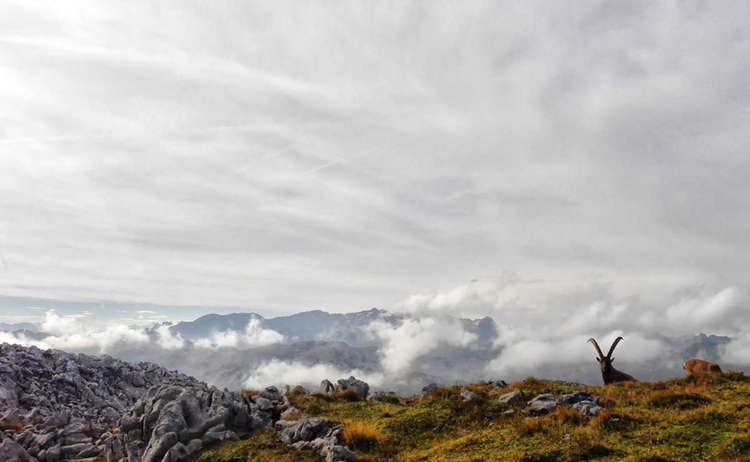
(16, 427)
(362, 436)
(701, 418)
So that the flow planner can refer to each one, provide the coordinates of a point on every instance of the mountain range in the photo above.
(397, 351)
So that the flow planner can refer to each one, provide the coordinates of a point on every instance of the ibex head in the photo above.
(609, 373)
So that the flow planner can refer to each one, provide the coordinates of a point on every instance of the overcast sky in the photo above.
(283, 156)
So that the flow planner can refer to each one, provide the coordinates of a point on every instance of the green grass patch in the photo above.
(696, 418)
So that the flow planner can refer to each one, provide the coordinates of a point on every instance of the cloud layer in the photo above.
(541, 330)
(260, 154)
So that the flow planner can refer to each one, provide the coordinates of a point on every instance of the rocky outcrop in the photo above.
(317, 434)
(468, 395)
(64, 401)
(351, 385)
(584, 402)
(326, 387)
(75, 407)
(514, 397)
(179, 418)
(12, 451)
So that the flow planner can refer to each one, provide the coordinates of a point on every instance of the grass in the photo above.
(262, 447)
(16, 427)
(691, 419)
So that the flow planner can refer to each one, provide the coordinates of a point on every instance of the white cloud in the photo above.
(723, 311)
(434, 142)
(167, 340)
(277, 372)
(254, 335)
(534, 356)
(403, 344)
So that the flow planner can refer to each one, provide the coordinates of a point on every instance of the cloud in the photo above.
(277, 372)
(167, 340)
(531, 356)
(254, 335)
(401, 345)
(411, 146)
(724, 311)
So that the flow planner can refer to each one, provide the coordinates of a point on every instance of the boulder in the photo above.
(570, 399)
(65, 400)
(353, 385)
(542, 404)
(497, 383)
(305, 429)
(468, 395)
(177, 419)
(316, 434)
(514, 397)
(588, 408)
(327, 388)
(13, 452)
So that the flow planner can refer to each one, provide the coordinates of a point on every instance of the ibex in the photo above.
(698, 365)
(609, 373)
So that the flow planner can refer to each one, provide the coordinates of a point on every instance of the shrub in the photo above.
(361, 436)
(298, 391)
(249, 393)
(530, 425)
(391, 399)
(347, 395)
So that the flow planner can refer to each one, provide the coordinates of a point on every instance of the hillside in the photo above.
(690, 419)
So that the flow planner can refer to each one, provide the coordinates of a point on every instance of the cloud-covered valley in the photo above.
(521, 329)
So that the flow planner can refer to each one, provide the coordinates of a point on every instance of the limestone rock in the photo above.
(468, 395)
(514, 397)
(542, 404)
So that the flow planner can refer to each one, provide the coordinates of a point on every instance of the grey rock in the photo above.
(338, 454)
(305, 429)
(64, 400)
(13, 452)
(588, 408)
(468, 395)
(289, 412)
(271, 393)
(542, 404)
(569, 399)
(359, 387)
(514, 397)
(176, 419)
(326, 387)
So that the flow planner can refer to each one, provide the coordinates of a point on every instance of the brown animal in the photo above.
(609, 373)
(700, 366)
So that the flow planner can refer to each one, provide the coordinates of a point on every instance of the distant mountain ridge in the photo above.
(21, 326)
(317, 325)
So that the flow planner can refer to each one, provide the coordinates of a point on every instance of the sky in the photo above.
(460, 156)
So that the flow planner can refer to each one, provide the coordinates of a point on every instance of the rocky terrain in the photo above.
(58, 406)
(64, 401)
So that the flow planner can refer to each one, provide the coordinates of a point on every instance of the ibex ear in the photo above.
(611, 359)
